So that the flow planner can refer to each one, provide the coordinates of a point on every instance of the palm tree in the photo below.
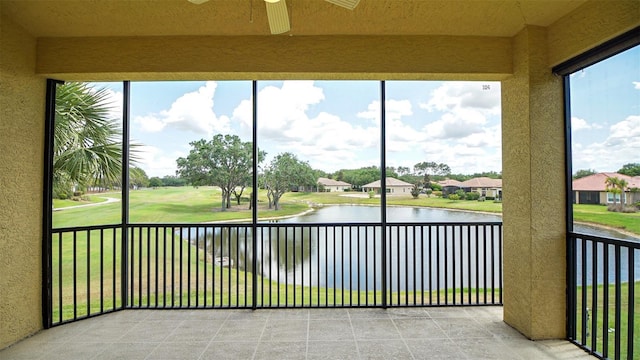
(87, 141)
(616, 186)
(622, 185)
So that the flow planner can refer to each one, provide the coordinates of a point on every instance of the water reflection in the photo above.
(337, 254)
(348, 256)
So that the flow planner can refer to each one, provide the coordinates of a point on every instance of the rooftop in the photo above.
(597, 182)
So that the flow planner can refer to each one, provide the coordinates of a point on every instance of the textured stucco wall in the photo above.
(265, 57)
(592, 23)
(22, 97)
(534, 192)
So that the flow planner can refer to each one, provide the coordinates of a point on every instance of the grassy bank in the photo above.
(598, 214)
(203, 204)
(194, 205)
(607, 327)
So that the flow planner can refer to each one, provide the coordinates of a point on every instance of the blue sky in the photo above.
(331, 124)
(605, 108)
(336, 124)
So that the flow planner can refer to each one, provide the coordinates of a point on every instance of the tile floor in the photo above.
(424, 333)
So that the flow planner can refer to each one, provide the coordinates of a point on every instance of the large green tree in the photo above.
(87, 146)
(224, 161)
(631, 169)
(282, 174)
(583, 173)
(429, 169)
(138, 178)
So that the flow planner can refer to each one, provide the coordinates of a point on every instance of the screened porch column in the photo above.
(534, 191)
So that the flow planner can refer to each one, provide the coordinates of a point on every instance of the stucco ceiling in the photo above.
(72, 18)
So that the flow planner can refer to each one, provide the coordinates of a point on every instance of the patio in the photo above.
(398, 333)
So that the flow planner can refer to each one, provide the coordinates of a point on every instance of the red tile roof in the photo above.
(597, 182)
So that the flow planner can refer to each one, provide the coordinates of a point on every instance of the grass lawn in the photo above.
(606, 327)
(598, 214)
(58, 204)
(195, 205)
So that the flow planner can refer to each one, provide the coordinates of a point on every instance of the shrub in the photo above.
(461, 194)
(429, 192)
(75, 198)
(490, 197)
(62, 196)
(454, 197)
(482, 198)
(629, 209)
(371, 194)
(473, 195)
(415, 191)
(437, 193)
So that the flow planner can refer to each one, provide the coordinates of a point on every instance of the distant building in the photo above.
(450, 186)
(592, 189)
(484, 186)
(394, 186)
(330, 185)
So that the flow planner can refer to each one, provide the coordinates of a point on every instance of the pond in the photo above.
(342, 247)
(348, 253)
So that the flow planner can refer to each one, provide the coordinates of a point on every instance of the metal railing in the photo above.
(97, 269)
(602, 300)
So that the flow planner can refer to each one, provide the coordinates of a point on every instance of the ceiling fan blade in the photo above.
(278, 16)
(347, 4)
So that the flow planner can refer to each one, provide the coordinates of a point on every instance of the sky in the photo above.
(336, 124)
(605, 113)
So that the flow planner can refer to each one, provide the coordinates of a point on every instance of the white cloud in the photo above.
(399, 135)
(192, 112)
(481, 96)
(457, 124)
(636, 85)
(156, 162)
(621, 146)
(582, 124)
(466, 136)
(326, 140)
(625, 132)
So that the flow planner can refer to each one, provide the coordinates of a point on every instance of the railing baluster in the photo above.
(594, 295)
(60, 303)
(75, 277)
(618, 301)
(88, 272)
(605, 304)
(631, 305)
(351, 265)
(438, 264)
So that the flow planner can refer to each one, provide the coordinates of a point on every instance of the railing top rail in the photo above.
(85, 228)
(314, 224)
(273, 225)
(610, 241)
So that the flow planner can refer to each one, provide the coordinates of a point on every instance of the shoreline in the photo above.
(314, 206)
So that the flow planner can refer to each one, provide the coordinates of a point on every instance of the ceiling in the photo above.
(80, 18)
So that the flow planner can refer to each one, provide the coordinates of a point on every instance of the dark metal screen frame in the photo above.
(602, 52)
(125, 227)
